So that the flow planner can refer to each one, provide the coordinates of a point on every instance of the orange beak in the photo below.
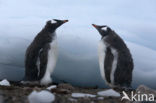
(65, 21)
(94, 25)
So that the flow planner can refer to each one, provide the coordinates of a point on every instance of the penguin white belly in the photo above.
(101, 53)
(52, 58)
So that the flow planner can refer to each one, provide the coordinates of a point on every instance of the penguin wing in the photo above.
(108, 64)
(43, 57)
(38, 60)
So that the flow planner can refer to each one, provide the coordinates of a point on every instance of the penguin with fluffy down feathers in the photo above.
(41, 55)
(115, 60)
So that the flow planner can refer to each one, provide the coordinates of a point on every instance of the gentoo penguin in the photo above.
(115, 60)
(41, 55)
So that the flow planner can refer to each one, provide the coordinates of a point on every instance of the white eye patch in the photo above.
(104, 28)
(53, 21)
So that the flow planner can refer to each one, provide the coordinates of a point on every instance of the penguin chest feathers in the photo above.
(51, 61)
(52, 54)
(101, 53)
(102, 49)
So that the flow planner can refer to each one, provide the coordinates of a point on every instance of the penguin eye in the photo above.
(104, 28)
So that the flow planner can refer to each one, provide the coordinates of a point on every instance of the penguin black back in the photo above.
(123, 73)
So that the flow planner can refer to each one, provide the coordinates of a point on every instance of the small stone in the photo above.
(66, 86)
(61, 91)
(72, 99)
(1, 99)
(100, 98)
(145, 90)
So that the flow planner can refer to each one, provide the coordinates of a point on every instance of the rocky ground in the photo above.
(18, 93)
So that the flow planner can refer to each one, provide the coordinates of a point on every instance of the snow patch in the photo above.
(80, 95)
(100, 98)
(109, 93)
(41, 97)
(4, 82)
(52, 87)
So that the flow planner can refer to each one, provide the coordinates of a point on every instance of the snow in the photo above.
(51, 87)
(80, 95)
(4, 82)
(41, 97)
(100, 98)
(109, 93)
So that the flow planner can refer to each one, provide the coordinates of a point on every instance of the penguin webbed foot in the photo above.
(30, 83)
(126, 87)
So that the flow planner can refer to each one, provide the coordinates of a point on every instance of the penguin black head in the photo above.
(102, 29)
(52, 25)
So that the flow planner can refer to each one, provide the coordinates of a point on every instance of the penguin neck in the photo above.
(104, 37)
(49, 29)
(54, 36)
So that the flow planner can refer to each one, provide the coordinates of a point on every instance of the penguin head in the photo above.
(52, 25)
(102, 29)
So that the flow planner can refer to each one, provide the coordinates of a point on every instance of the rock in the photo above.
(72, 99)
(66, 86)
(61, 91)
(100, 98)
(1, 99)
(142, 89)
(20, 93)
(145, 90)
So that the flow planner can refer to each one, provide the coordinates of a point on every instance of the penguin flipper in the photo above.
(108, 64)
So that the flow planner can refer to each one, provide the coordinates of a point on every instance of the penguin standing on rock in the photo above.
(41, 55)
(115, 60)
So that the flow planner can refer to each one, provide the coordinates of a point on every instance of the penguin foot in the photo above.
(45, 81)
(30, 82)
(123, 88)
